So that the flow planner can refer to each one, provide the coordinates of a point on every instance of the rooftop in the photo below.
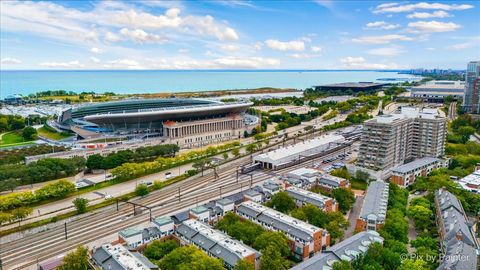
(220, 238)
(299, 148)
(354, 85)
(291, 221)
(308, 196)
(163, 220)
(124, 257)
(416, 164)
(304, 171)
(199, 209)
(376, 200)
(129, 232)
(347, 250)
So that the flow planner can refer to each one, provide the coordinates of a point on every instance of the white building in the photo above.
(302, 197)
(471, 182)
(165, 225)
(117, 257)
(307, 149)
(439, 89)
(308, 176)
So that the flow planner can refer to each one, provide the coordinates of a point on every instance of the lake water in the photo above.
(154, 81)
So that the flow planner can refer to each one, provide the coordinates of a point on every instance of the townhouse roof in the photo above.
(415, 165)
(279, 221)
(346, 250)
(308, 196)
(215, 242)
(376, 200)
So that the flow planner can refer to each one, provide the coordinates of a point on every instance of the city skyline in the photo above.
(216, 35)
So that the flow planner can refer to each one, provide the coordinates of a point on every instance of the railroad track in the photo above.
(27, 251)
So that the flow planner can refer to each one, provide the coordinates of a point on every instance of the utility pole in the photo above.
(66, 235)
(251, 180)
(220, 191)
(178, 193)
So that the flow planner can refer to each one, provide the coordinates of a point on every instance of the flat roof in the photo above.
(163, 220)
(124, 257)
(353, 85)
(308, 196)
(416, 164)
(130, 232)
(298, 148)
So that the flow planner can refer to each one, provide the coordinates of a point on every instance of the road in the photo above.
(452, 111)
(353, 216)
(23, 253)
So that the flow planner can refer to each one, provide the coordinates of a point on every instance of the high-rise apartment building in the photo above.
(389, 140)
(471, 99)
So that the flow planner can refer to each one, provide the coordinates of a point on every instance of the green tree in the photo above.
(189, 257)
(158, 249)
(282, 202)
(272, 259)
(421, 215)
(251, 148)
(141, 190)
(276, 239)
(361, 175)
(342, 172)
(410, 264)
(342, 265)
(5, 217)
(81, 205)
(236, 152)
(225, 156)
(75, 260)
(95, 162)
(9, 184)
(19, 214)
(345, 198)
(466, 132)
(29, 133)
(244, 265)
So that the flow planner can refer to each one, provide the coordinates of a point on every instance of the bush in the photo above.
(141, 190)
(81, 205)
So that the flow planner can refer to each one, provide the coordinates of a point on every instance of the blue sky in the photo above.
(148, 34)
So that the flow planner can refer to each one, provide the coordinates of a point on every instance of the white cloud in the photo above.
(249, 62)
(303, 55)
(426, 15)
(94, 59)
(423, 27)
(111, 37)
(139, 36)
(183, 50)
(397, 8)
(385, 39)
(123, 64)
(229, 47)
(472, 42)
(294, 45)
(382, 25)
(352, 60)
(52, 20)
(386, 51)
(96, 50)
(71, 64)
(360, 63)
(258, 46)
(10, 61)
(316, 49)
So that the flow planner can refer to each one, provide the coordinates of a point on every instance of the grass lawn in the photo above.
(12, 139)
(51, 135)
(358, 184)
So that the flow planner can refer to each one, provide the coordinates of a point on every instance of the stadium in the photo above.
(173, 118)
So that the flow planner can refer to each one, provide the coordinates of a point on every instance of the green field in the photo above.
(52, 134)
(12, 139)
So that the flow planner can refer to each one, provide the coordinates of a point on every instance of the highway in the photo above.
(452, 111)
(24, 253)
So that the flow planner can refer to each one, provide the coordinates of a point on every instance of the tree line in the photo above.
(113, 160)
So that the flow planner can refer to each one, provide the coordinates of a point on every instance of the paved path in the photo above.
(353, 215)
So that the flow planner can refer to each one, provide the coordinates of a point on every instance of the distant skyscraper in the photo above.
(471, 99)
